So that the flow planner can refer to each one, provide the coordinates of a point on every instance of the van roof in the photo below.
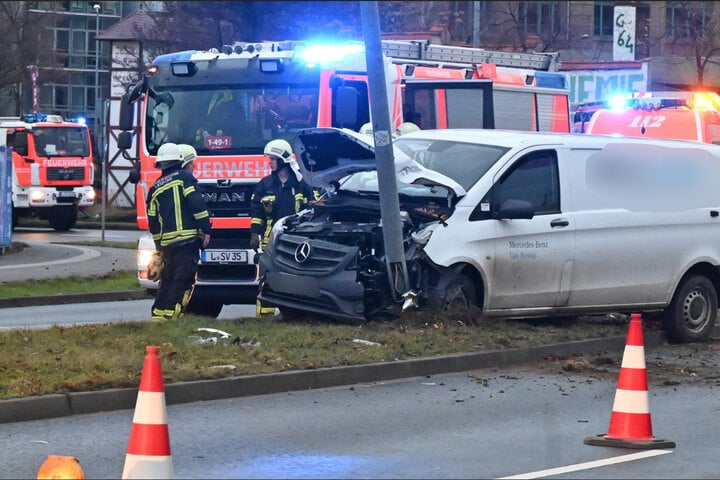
(513, 138)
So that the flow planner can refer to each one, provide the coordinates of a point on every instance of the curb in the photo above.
(78, 403)
(66, 298)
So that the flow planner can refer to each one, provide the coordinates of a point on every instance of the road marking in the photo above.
(86, 254)
(588, 465)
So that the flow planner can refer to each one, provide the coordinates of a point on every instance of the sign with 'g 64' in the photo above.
(623, 33)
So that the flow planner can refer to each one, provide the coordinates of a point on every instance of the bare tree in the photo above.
(527, 26)
(694, 30)
(24, 36)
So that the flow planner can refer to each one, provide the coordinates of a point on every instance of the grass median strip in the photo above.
(112, 282)
(96, 357)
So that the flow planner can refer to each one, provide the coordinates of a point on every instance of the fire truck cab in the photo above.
(53, 170)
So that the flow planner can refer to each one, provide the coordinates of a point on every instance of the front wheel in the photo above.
(63, 218)
(460, 296)
(692, 314)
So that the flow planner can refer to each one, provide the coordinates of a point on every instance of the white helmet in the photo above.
(188, 153)
(406, 128)
(167, 155)
(367, 129)
(172, 154)
(281, 149)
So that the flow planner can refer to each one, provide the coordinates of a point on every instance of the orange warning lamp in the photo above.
(60, 467)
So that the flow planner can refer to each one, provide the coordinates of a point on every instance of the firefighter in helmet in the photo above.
(282, 193)
(180, 225)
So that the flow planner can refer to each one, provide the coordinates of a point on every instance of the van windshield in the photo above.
(464, 162)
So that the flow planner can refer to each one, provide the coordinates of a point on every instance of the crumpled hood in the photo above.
(328, 154)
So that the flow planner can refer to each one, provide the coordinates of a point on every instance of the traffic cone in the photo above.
(148, 454)
(60, 466)
(630, 423)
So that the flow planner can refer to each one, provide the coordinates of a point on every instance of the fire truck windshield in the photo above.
(61, 141)
(228, 120)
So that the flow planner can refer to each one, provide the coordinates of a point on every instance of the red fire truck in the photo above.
(229, 103)
(52, 174)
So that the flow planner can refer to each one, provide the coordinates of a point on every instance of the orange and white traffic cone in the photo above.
(630, 423)
(148, 454)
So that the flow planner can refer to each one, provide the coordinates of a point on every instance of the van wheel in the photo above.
(460, 296)
(203, 308)
(692, 314)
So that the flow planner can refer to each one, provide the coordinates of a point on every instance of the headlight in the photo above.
(277, 229)
(144, 257)
(37, 195)
(422, 236)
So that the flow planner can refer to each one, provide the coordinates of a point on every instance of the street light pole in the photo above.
(98, 112)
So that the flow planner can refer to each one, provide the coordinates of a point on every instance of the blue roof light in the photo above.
(313, 54)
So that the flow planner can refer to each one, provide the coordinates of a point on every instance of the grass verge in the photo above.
(115, 281)
(95, 357)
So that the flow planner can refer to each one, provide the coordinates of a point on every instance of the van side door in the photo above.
(533, 256)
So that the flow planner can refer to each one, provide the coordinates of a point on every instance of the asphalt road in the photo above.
(507, 422)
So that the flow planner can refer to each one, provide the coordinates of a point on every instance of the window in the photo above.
(604, 14)
(688, 19)
(603, 19)
(534, 179)
(539, 17)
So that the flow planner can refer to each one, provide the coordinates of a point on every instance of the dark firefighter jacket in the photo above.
(272, 200)
(176, 209)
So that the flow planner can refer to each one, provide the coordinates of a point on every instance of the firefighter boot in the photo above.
(263, 312)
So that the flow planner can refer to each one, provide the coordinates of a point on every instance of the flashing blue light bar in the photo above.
(617, 102)
(81, 120)
(313, 54)
(33, 117)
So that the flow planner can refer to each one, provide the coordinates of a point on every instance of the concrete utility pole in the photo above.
(96, 6)
(387, 180)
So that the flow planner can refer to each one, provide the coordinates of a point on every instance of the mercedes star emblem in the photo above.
(302, 252)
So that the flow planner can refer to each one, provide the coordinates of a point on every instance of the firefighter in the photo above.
(180, 225)
(282, 193)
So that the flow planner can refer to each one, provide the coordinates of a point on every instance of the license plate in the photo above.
(224, 256)
(66, 194)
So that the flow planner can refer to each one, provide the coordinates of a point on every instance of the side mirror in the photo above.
(134, 175)
(124, 140)
(512, 209)
(126, 118)
(346, 106)
(21, 143)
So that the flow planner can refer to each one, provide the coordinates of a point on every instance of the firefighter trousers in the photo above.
(177, 280)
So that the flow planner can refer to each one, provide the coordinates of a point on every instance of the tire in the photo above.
(14, 220)
(460, 296)
(692, 313)
(63, 218)
(293, 315)
(203, 308)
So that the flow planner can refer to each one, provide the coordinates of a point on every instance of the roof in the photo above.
(138, 24)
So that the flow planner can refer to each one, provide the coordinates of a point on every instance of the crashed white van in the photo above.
(515, 224)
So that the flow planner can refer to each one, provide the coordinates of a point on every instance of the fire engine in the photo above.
(673, 115)
(229, 103)
(52, 175)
